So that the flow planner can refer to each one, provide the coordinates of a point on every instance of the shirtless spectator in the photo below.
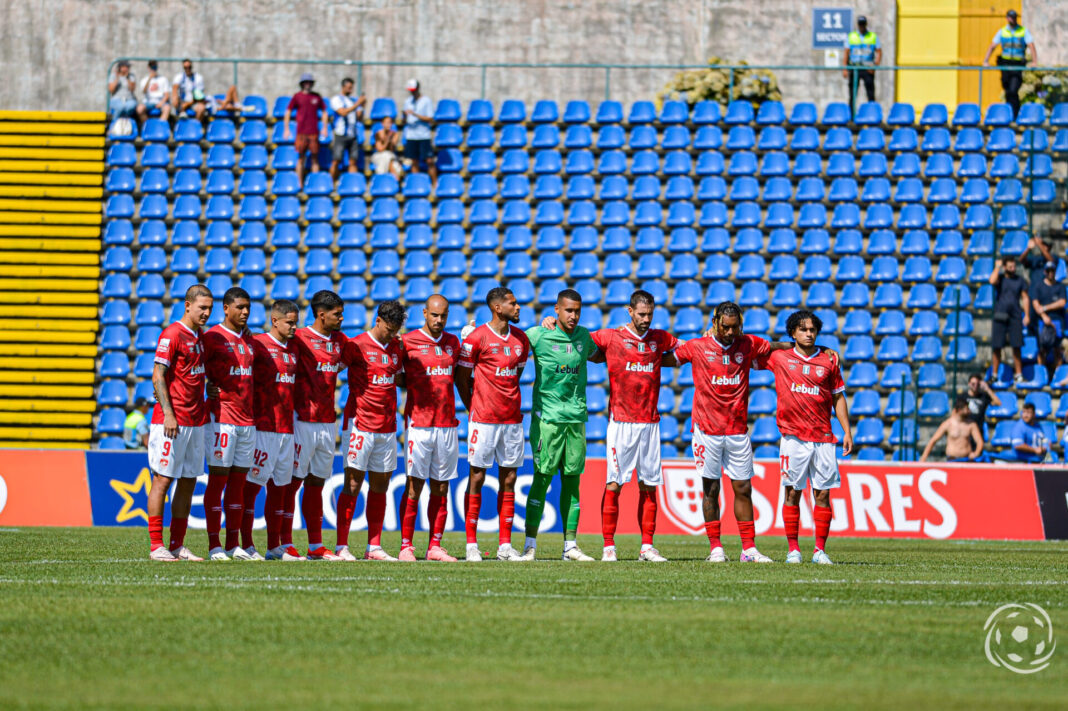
(188, 93)
(157, 91)
(387, 146)
(964, 440)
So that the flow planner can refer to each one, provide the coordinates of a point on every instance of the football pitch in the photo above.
(86, 621)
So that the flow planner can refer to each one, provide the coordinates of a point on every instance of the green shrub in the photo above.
(714, 83)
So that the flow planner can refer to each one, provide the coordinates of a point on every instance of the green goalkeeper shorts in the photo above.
(558, 446)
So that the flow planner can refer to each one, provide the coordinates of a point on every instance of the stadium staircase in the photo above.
(51, 185)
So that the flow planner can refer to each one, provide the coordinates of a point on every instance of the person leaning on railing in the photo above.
(1014, 40)
(862, 50)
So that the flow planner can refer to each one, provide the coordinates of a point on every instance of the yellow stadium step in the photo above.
(42, 405)
(50, 258)
(7, 444)
(70, 419)
(12, 177)
(44, 270)
(48, 218)
(52, 166)
(75, 434)
(47, 337)
(70, 326)
(49, 153)
(65, 116)
(88, 206)
(38, 311)
(60, 245)
(67, 392)
(49, 191)
(12, 297)
(37, 127)
(53, 378)
(49, 285)
(64, 231)
(17, 363)
(51, 141)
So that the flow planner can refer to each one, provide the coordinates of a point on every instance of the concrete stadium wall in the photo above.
(59, 50)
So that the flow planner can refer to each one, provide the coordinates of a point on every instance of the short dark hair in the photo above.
(153, 64)
(961, 403)
(727, 308)
(640, 296)
(347, 80)
(284, 307)
(1028, 406)
(976, 375)
(497, 294)
(392, 312)
(799, 317)
(1008, 258)
(186, 60)
(233, 294)
(325, 300)
(124, 63)
(569, 295)
(196, 291)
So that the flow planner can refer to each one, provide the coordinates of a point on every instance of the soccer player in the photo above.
(176, 435)
(274, 377)
(491, 362)
(319, 358)
(558, 425)
(231, 435)
(808, 386)
(375, 371)
(634, 353)
(721, 364)
(430, 356)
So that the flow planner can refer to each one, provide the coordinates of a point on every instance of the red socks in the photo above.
(822, 515)
(791, 517)
(272, 511)
(235, 508)
(505, 515)
(289, 506)
(472, 505)
(311, 507)
(437, 511)
(346, 508)
(178, 526)
(610, 515)
(155, 532)
(376, 511)
(647, 509)
(712, 530)
(213, 498)
(747, 531)
(250, 492)
(411, 512)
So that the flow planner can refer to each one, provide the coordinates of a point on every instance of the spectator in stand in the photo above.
(979, 396)
(121, 85)
(1014, 40)
(964, 439)
(308, 106)
(1048, 298)
(1012, 312)
(387, 145)
(348, 127)
(157, 91)
(418, 113)
(187, 94)
(135, 429)
(1029, 442)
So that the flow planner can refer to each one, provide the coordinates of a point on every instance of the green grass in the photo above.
(87, 622)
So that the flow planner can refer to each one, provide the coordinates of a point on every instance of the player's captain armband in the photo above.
(162, 361)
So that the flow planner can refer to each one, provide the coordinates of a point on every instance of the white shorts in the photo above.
(432, 452)
(801, 461)
(372, 451)
(634, 447)
(274, 459)
(181, 457)
(314, 443)
(229, 445)
(500, 443)
(715, 454)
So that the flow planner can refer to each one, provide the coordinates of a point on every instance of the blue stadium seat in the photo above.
(641, 112)
(838, 139)
(871, 139)
(936, 140)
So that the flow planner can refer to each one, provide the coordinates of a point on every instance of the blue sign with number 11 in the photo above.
(830, 27)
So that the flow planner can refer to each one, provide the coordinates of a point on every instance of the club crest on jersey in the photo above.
(738, 358)
(819, 372)
(652, 346)
(579, 347)
(448, 351)
(396, 359)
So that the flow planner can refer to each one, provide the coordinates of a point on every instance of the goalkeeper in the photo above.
(558, 424)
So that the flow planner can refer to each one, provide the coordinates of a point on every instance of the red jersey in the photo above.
(496, 362)
(805, 388)
(721, 381)
(319, 359)
(274, 375)
(373, 383)
(228, 362)
(634, 370)
(428, 376)
(181, 350)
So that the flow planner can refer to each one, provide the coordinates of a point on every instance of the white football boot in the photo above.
(793, 557)
(652, 555)
(821, 558)
(344, 554)
(184, 553)
(161, 554)
(716, 556)
(218, 553)
(253, 553)
(575, 554)
(529, 553)
(474, 555)
(752, 555)
(238, 553)
(609, 555)
(506, 552)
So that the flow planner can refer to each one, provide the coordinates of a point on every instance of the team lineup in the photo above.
(261, 409)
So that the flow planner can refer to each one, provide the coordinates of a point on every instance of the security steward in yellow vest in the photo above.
(1014, 40)
(862, 50)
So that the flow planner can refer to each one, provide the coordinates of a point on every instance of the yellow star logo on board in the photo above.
(127, 490)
